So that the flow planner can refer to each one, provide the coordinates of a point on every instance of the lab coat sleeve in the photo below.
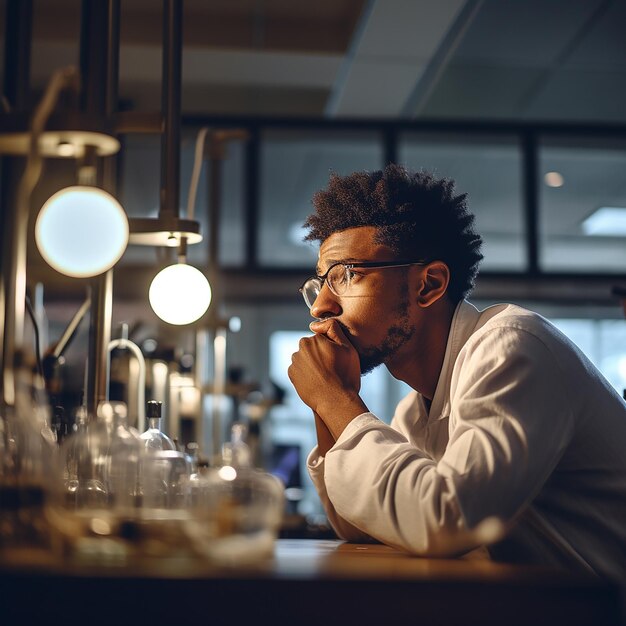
(509, 425)
(345, 530)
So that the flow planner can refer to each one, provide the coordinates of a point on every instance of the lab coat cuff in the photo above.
(356, 425)
(315, 461)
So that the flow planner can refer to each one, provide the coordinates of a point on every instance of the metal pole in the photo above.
(18, 34)
(170, 106)
(216, 148)
(93, 56)
(99, 57)
(13, 210)
(99, 335)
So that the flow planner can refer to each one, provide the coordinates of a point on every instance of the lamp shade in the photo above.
(81, 231)
(180, 294)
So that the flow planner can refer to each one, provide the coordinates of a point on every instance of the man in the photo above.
(510, 436)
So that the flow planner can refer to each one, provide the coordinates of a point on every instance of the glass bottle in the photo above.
(193, 450)
(165, 471)
(153, 438)
(125, 458)
(236, 452)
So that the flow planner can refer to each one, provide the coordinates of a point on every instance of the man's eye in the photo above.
(344, 276)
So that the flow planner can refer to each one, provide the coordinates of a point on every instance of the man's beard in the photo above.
(397, 335)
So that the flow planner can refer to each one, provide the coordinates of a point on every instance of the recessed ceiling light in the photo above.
(553, 179)
(609, 221)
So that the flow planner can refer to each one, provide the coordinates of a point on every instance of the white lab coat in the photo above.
(524, 449)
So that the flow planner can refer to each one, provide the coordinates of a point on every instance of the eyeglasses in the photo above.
(339, 276)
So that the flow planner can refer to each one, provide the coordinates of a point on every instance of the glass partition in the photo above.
(139, 194)
(489, 169)
(294, 165)
(582, 205)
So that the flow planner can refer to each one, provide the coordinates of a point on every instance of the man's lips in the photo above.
(346, 332)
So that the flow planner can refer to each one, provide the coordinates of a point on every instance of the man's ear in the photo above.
(434, 280)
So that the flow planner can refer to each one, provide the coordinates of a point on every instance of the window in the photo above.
(488, 169)
(603, 342)
(140, 188)
(577, 178)
(294, 166)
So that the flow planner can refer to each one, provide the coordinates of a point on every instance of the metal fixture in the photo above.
(168, 228)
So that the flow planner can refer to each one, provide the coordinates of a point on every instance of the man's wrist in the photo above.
(338, 415)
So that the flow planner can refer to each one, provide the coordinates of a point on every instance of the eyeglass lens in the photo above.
(311, 290)
(338, 279)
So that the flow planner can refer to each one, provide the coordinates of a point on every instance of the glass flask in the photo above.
(27, 466)
(165, 470)
(85, 462)
(237, 509)
(153, 438)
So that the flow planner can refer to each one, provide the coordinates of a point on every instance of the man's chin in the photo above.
(369, 363)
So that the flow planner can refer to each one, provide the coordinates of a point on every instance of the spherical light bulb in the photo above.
(81, 231)
(180, 294)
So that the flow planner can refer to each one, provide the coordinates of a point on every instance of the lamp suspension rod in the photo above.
(17, 51)
(170, 107)
(93, 56)
(99, 56)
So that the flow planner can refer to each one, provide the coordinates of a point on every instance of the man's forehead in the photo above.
(359, 238)
(353, 244)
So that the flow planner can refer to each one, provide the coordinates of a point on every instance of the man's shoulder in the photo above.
(509, 319)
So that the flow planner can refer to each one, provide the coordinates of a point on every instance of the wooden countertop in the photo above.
(309, 582)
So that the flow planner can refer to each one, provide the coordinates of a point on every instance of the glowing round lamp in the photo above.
(180, 294)
(81, 231)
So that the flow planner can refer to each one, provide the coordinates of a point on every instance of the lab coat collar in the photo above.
(463, 324)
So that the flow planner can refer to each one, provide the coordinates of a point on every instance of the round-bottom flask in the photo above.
(165, 471)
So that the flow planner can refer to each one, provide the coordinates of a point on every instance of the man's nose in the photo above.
(326, 304)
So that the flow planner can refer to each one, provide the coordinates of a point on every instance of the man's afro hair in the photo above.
(417, 215)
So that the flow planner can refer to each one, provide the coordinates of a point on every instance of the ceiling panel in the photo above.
(407, 30)
(376, 86)
(604, 45)
(581, 96)
(481, 91)
(523, 32)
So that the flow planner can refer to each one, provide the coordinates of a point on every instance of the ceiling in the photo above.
(550, 60)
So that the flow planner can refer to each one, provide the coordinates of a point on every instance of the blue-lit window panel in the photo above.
(139, 194)
(613, 352)
(576, 178)
(603, 341)
(584, 333)
(294, 165)
(489, 170)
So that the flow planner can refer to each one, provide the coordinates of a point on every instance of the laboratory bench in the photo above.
(308, 582)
